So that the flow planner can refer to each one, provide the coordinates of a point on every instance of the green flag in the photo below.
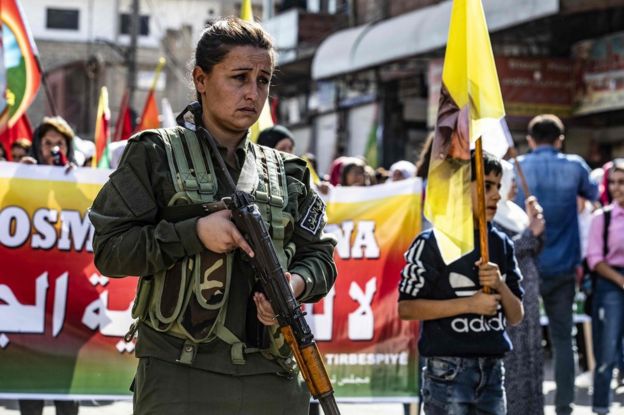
(371, 152)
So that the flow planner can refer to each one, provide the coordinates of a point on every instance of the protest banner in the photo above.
(62, 323)
(369, 352)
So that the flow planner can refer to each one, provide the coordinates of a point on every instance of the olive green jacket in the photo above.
(131, 239)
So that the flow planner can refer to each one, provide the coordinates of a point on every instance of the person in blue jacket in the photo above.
(556, 179)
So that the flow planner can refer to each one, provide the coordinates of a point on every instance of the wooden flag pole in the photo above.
(525, 187)
(483, 232)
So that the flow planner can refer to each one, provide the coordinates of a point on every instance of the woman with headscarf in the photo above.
(524, 364)
(277, 137)
(402, 170)
(353, 172)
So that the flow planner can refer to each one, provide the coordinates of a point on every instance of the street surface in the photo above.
(583, 401)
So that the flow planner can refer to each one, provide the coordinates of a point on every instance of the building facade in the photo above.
(83, 45)
(380, 75)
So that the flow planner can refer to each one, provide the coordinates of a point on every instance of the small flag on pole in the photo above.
(150, 116)
(123, 128)
(371, 153)
(102, 131)
(470, 105)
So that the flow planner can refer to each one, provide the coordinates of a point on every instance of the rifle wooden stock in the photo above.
(311, 363)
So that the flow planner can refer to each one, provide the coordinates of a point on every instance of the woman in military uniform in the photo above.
(207, 339)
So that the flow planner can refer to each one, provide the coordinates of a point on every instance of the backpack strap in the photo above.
(204, 178)
(194, 182)
(275, 198)
(606, 211)
(605, 231)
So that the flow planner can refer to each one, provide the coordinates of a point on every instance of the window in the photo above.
(124, 24)
(64, 19)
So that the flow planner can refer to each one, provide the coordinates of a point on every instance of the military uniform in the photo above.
(186, 365)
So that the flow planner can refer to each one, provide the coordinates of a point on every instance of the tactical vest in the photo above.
(189, 300)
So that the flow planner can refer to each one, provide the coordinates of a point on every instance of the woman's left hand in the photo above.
(266, 315)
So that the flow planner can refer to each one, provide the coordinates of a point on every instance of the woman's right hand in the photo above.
(219, 234)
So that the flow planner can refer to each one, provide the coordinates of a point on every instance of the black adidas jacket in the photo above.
(425, 276)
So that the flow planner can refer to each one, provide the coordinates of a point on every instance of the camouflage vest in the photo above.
(189, 300)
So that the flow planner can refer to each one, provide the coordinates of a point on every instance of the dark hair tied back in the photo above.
(221, 35)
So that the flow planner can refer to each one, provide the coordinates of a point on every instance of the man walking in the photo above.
(556, 179)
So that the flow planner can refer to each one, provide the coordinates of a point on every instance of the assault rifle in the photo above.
(293, 326)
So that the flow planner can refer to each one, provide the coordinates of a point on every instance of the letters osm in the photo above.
(48, 228)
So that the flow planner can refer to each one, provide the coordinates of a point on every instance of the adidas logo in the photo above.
(462, 285)
(465, 287)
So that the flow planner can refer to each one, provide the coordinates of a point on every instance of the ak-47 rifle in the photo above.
(293, 326)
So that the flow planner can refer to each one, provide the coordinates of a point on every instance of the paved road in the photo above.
(583, 402)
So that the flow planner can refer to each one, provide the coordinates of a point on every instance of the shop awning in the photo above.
(413, 33)
(333, 56)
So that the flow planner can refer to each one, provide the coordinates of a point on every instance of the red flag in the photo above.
(149, 119)
(23, 72)
(21, 129)
(123, 128)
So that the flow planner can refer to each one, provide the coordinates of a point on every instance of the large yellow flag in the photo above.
(470, 103)
(265, 120)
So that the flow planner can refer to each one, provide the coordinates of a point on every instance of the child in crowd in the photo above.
(463, 336)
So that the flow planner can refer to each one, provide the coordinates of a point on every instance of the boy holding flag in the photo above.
(463, 337)
(462, 280)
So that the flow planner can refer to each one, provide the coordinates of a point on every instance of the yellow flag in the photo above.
(470, 103)
(314, 177)
(265, 120)
(102, 131)
(246, 13)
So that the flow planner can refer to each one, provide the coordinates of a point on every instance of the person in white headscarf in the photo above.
(524, 364)
(402, 170)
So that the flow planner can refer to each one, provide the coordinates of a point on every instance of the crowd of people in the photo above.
(533, 236)
(554, 215)
(541, 219)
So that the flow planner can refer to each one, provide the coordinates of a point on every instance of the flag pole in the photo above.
(483, 233)
(46, 88)
(525, 186)
(161, 63)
